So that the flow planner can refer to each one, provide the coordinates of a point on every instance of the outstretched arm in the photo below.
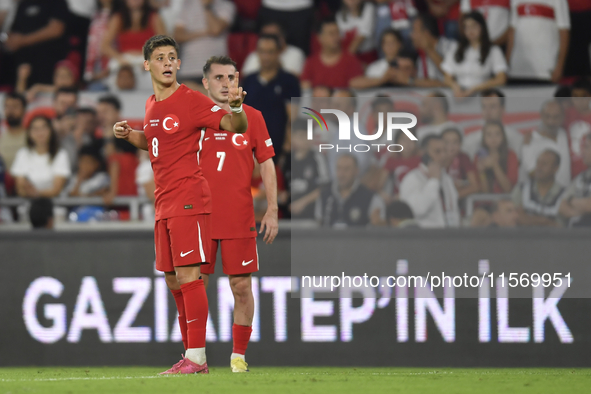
(235, 122)
(124, 131)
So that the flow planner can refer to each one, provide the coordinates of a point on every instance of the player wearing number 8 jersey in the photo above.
(173, 136)
(228, 162)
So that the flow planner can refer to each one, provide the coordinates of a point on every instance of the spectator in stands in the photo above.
(125, 79)
(144, 179)
(356, 21)
(429, 190)
(497, 14)
(446, 13)
(538, 40)
(41, 213)
(538, 199)
(433, 115)
(64, 76)
(458, 165)
(331, 67)
(394, 14)
(96, 67)
(83, 133)
(291, 57)
(14, 136)
(5, 214)
(131, 24)
(503, 214)
(202, 31)
(40, 169)
(430, 47)
(270, 91)
(576, 205)
(399, 214)
(294, 15)
(549, 135)
(91, 178)
(309, 173)
(498, 166)
(475, 65)
(383, 71)
(64, 99)
(37, 37)
(121, 167)
(5, 8)
(578, 123)
(346, 202)
(493, 110)
(108, 111)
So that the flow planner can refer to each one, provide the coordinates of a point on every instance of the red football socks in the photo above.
(196, 310)
(240, 336)
(180, 307)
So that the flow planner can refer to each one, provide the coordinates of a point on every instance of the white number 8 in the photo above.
(155, 147)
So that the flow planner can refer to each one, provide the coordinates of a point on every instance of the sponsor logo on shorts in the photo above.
(253, 229)
(188, 206)
(184, 254)
(245, 263)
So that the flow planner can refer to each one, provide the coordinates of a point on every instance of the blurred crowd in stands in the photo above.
(322, 48)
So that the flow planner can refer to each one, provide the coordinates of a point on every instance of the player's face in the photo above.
(163, 65)
(218, 81)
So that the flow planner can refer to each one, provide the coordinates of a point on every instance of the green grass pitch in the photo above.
(263, 380)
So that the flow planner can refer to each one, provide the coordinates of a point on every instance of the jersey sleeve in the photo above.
(562, 15)
(262, 143)
(204, 112)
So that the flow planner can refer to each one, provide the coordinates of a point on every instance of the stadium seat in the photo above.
(240, 45)
(248, 9)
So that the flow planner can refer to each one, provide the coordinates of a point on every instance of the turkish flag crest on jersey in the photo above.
(240, 141)
(171, 124)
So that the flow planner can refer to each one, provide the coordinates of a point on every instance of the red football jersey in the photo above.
(228, 163)
(173, 128)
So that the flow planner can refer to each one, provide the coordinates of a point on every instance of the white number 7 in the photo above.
(222, 157)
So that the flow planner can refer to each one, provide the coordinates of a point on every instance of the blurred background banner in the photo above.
(95, 296)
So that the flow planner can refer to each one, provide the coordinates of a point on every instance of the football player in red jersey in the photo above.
(173, 136)
(228, 162)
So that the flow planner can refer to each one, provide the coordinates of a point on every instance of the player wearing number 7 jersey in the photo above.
(173, 136)
(228, 162)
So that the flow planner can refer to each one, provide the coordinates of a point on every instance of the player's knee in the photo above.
(172, 281)
(241, 287)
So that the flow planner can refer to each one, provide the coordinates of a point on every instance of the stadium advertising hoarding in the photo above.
(97, 294)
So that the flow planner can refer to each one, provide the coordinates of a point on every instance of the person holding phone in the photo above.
(498, 166)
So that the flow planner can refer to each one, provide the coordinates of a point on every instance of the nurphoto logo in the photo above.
(392, 123)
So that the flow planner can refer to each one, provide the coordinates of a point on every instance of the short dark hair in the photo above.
(223, 60)
(41, 212)
(430, 24)
(272, 37)
(281, 29)
(583, 84)
(557, 158)
(157, 42)
(325, 21)
(381, 99)
(455, 131)
(399, 210)
(16, 96)
(65, 90)
(496, 93)
(111, 100)
(393, 32)
(427, 140)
